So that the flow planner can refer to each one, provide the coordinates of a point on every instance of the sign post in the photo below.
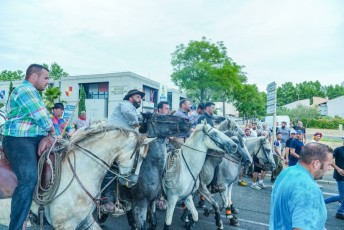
(271, 101)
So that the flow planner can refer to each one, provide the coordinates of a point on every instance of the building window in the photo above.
(151, 95)
(96, 90)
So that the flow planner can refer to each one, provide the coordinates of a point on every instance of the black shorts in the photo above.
(256, 168)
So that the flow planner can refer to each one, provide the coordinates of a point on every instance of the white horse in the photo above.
(181, 178)
(88, 155)
(228, 170)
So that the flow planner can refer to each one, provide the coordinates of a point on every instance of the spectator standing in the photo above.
(254, 130)
(82, 121)
(299, 126)
(258, 169)
(278, 157)
(316, 137)
(27, 123)
(296, 146)
(296, 199)
(287, 146)
(247, 132)
(338, 175)
(285, 132)
(265, 128)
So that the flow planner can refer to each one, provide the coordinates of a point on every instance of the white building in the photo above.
(335, 107)
(103, 91)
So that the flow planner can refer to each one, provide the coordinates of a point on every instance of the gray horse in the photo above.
(227, 165)
(181, 178)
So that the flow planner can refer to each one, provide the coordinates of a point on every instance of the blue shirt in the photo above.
(297, 145)
(297, 201)
(124, 115)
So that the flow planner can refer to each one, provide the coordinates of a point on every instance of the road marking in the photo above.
(253, 222)
(330, 194)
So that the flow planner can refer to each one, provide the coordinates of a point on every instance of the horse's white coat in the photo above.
(185, 185)
(73, 206)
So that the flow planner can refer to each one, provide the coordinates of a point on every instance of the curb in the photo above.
(326, 182)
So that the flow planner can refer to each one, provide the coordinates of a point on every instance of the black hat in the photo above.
(58, 105)
(133, 92)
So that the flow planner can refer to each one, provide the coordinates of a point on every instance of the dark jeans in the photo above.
(21, 152)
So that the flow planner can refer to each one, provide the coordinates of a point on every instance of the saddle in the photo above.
(8, 180)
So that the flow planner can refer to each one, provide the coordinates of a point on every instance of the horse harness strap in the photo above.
(193, 177)
(230, 158)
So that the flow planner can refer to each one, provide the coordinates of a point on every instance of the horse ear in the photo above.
(147, 140)
(205, 122)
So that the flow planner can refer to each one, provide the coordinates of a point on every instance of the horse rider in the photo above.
(27, 123)
(58, 121)
(124, 116)
(208, 113)
(184, 107)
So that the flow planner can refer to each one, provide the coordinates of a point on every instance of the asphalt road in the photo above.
(254, 209)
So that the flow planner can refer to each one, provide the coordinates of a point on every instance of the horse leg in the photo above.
(234, 210)
(90, 223)
(130, 218)
(140, 213)
(171, 201)
(205, 192)
(191, 206)
(229, 210)
(152, 216)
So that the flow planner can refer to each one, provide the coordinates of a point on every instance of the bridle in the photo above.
(265, 165)
(101, 162)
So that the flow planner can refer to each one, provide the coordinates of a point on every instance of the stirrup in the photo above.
(119, 209)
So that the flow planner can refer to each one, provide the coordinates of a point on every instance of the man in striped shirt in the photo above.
(27, 122)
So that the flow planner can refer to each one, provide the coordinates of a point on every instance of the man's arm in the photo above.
(130, 116)
(292, 152)
(339, 170)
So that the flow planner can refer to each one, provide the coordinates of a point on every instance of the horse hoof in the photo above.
(201, 204)
(190, 225)
(234, 221)
(166, 227)
(152, 227)
(234, 210)
(219, 223)
(206, 212)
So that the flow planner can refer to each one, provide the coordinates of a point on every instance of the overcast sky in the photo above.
(277, 40)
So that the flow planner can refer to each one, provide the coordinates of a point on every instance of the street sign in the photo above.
(271, 87)
(271, 96)
(270, 109)
(271, 102)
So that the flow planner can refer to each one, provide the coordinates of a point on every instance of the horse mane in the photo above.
(90, 132)
(230, 133)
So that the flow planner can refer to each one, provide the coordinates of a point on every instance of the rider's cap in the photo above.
(293, 132)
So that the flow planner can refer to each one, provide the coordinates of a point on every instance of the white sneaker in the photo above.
(261, 185)
(255, 186)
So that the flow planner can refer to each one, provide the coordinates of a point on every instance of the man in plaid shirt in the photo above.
(27, 123)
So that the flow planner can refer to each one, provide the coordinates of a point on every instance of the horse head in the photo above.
(231, 125)
(163, 126)
(242, 150)
(265, 154)
(215, 139)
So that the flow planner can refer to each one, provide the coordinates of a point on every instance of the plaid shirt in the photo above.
(26, 113)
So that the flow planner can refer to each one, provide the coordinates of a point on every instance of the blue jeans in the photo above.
(109, 191)
(339, 197)
(21, 152)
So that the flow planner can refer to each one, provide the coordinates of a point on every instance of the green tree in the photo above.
(249, 101)
(51, 94)
(55, 71)
(286, 94)
(309, 89)
(334, 91)
(7, 75)
(204, 70)
(10, 89)
(82, 96)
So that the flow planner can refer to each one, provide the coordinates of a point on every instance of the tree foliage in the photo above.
(204, 70)
(288, 93)
(7, 75)
(51, 94)
(82, 96)
(55, 71)
(249, 101)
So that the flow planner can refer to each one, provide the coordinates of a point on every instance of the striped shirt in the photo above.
(26, 113)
